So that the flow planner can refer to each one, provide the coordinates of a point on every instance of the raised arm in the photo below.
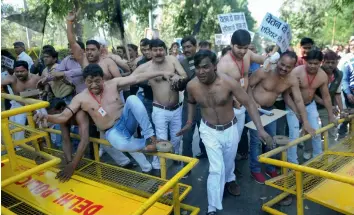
(178, 67)
(8, 80)
(78, 53)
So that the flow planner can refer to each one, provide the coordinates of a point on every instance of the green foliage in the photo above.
(180, 17)
(315, 19)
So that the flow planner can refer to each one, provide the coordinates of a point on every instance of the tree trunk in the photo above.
(78, 26)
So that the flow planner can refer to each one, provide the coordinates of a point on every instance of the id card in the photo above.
(102, 112)
(242, 81)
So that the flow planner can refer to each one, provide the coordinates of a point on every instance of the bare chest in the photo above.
(22, 86)
(309, 82)
(276, 85)
(106, 74)
(212, 97)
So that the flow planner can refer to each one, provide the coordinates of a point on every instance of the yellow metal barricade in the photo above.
(99, 182)
(327, 179)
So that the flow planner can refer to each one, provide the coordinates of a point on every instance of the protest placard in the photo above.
(276, 30)
(230, 22)
(7, 62)
(222, 39)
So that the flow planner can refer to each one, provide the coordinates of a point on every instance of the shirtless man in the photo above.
(101, 100)
(20, 81)
(310, 77)
(264, 88)
(167, 111)
(214, 93)
(237, 63)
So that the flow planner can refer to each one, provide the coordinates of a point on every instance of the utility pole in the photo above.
(28, 36)
(334, 30)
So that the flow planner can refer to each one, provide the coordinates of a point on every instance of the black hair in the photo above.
(200, 55)
(314, 55)
(306, 40)
(190, 39)
(132, 46)
(51, 52)
(48, 47)
(93, 70)
(19, 63)
(145, 42)
(225, 50)
(93, 42)
(241, 37)
(19, 43)
(290, 54)
(158, 43)
(204, 43)
(175, 43)
(121, 47)
(6, 53)
(81, 44)
(330, 55)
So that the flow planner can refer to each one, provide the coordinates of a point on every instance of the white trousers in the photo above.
(20, 119)
(221, 147)
(241, 117)
(164, 119)
(122, 160)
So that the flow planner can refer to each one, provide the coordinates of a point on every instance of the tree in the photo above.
(181, 18)
(316, 19)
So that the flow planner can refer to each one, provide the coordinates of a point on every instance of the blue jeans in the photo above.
(294, 133)
(120, 135)
(148, 106)
(255, 144)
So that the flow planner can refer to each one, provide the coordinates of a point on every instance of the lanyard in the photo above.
(93, 96)
(242, 68)
(308, 79)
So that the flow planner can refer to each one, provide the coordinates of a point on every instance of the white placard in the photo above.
(277, 113)
(230, 22)
(276, 30)
(222, 39)
(7, 62)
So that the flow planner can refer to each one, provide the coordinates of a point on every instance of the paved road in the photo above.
(252, 197)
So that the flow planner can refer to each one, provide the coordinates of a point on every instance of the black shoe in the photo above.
(201, 155)
(211, 213)
(233, 188)
(130, 165)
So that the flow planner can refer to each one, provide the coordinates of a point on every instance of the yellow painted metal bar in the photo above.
(96, 152)
(301, 139)
(309, 170)
(163, 168)
(6, 211)
(29, 172)
(345, 154)
(15, 130)
(194, 210)
(35, 105)
(8, 143)
(169, 184)
(352, 126)
(284, 157)
(276, 199)
(176, 202)
(299, 193)
(325, 140)
(271, 210)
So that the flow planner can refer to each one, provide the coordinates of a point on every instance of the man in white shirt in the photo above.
(21, 54)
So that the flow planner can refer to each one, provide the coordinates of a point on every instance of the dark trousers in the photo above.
(282, 123)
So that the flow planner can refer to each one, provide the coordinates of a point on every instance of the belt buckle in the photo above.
(219, 127)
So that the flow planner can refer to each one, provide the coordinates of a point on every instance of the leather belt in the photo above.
(167, 108)
(308, 103)
(221, 127)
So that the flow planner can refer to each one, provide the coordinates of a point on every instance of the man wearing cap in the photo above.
(21, 54)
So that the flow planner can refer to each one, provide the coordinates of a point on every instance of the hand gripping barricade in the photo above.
(95, 187)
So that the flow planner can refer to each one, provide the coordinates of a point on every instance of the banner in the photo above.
(276, 30)
(230, 22)
(7, 62)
